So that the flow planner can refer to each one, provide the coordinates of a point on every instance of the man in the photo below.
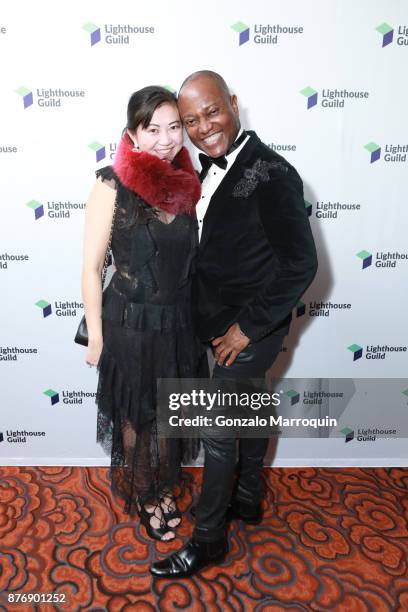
(256, 259)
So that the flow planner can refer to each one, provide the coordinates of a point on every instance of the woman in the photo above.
(143, 331)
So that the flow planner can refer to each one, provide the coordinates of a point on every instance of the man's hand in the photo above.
(229, 345)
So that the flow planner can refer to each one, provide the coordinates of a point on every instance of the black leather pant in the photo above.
(220, 453)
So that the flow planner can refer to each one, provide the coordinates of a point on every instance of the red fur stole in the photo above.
(172, 187)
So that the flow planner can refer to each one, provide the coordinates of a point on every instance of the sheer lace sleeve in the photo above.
(108, 176)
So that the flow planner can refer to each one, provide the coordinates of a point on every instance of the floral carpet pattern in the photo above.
(331, 540)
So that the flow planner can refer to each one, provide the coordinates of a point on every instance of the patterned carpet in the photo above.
(332, 539)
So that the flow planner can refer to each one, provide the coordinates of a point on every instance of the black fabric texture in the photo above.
(220, 453)
(147, 334)
(256, 255)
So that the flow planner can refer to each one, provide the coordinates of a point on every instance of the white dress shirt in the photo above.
(211, 182)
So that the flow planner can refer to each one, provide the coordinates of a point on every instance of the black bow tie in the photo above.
(206, 162)
(221, 162)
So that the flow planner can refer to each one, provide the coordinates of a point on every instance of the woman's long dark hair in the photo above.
(144, 102)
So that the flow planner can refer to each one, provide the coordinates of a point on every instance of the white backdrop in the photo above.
(324, 82)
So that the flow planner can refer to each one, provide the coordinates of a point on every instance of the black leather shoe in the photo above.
(251, 514)
(192, 558)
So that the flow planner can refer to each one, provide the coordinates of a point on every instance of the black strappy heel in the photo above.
(156, 533)
(169, 514)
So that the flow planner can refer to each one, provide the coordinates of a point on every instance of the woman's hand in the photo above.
(93, 352)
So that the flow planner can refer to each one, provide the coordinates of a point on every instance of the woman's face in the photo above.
(163, 137)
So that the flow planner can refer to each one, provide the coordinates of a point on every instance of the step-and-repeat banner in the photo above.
(323, 83)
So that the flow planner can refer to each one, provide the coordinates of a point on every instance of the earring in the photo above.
(136, 147)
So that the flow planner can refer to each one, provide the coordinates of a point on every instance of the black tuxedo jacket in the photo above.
(256, 256)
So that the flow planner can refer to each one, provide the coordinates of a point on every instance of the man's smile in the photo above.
(212, 139)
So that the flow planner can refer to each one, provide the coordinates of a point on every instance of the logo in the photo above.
(45, 307)
(68, 397)
(11, 353)
(243, 31)
(315, 398)
(282, 147)
(310, 95)
(324, 309)
(46, 96)
(6, 258)
(332, 98)
(376, 351)
(27, 96)
(387, 33)
(383, 259)
(375, 151)
(294, 396)
(309, 208)
(53, 395)
(396, 152)
(392, 152)
(367, 434)
(20, 436)
(357, 351)
(94, 31)
(320, 309)
(55, 97)
(118, 34)
(99, 149)
(62, 308)
(264, 34)
(8, 149)
(348, 433)
(3, 30)
(312, 398)
(55, 209)
(37, 207)
(366, 258)
(330, 210)
(71, 397)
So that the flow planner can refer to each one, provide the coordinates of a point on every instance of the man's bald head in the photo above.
(209, 112)
(207, 75)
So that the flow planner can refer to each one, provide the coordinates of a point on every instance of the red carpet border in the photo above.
(331, 540)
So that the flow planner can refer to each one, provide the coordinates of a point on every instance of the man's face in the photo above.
(210, 116)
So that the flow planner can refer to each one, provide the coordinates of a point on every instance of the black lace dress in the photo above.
(147, 334)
